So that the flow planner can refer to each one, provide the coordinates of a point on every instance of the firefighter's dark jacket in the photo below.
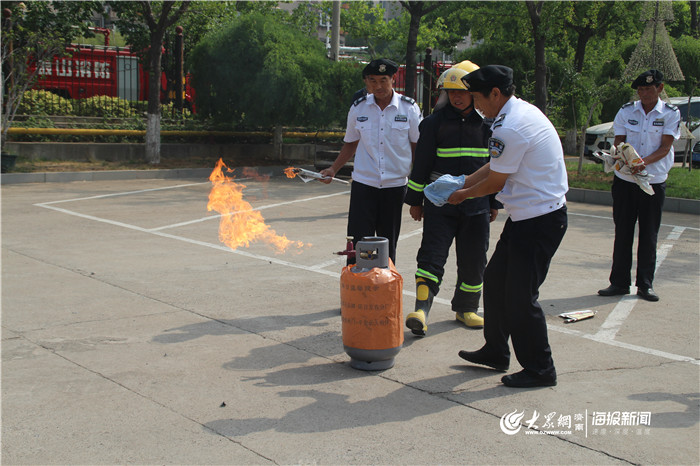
(450, 144)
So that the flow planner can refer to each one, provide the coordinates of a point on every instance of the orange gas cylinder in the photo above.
(371, 305)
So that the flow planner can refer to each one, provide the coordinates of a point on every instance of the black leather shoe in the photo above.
(613, 290)
(647, 293)
(482, 357)
(525, 379)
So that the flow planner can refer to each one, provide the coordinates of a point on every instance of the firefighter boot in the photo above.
(465, 304)
(417, 320)
(470, 319)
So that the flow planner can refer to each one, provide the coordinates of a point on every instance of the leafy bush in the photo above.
(168, 111)
(40, 102)
(104, 106)
(257, 71)
(140, 107)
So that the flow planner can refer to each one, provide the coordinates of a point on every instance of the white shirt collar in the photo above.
(394, 99)
(657, 108)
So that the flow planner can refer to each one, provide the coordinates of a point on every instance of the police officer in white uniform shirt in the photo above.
(382, 132)
(650, 125)
(527, 171)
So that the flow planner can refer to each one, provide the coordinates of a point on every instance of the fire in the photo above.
(240, 223)
(290, 172)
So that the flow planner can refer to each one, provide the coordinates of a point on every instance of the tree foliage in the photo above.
(364, 22)
(158, 18)
(32, 33)
(258, 71)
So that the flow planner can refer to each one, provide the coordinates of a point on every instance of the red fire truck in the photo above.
(101, 70)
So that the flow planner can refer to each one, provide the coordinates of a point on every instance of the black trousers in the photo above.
(632, 205)
(513, 276)
(442, 225)
(375, 212)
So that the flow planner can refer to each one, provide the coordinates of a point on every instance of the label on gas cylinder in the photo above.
(371, 305)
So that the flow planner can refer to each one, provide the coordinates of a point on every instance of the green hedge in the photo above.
(36, 102)
(103, 106)
(42, 103)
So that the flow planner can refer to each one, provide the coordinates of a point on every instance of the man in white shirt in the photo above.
(527, 171)
(650, 125)
(382, 132)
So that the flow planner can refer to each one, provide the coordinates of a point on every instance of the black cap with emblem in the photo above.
(380, 67)
(488, 77)
(648, 78)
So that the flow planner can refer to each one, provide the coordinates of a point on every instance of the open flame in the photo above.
(240, 224)
(290, 172)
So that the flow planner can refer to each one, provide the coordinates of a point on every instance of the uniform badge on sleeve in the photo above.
(496, 147)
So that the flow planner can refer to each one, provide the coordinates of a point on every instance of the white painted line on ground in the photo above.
(341, 259)
(92, 217)
(413, 233)
(192, 241)
(620, 344)
(273, 260)
(269, 206)
(332, 262)
(614, 321)
(675, 234)
(616, 318)
(610, 218)
(125, 193)
(604, 339)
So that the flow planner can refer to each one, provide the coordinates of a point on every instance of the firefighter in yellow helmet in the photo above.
(452, 79)
(453, 141)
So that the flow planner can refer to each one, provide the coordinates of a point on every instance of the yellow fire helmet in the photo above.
(452, 79)
(467, 66)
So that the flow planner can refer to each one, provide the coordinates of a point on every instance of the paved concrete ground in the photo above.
(130, 334)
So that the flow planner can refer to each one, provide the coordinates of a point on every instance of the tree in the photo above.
(32, 34)
(593, 20)
(258, 71)
(365, 22)
(417, 26)
(158, 17)
(416, 9)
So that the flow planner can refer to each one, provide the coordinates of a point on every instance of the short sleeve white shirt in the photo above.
(383, 156)
(644, 132)
(525, 145)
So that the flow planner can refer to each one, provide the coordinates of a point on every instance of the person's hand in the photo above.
(457, 197)
(638, 168)
(416, 212)
(493, 213)
(329, 174)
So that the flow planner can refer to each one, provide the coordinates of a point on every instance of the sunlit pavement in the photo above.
(131, 334)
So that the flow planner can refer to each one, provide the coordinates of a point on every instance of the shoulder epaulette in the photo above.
(671, 106)
(627, 104)
(498, 121)
(361, 99)
(408, 99)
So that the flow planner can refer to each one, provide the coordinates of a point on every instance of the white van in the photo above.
(601, 137)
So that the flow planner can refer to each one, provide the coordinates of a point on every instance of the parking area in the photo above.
(132, 335)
